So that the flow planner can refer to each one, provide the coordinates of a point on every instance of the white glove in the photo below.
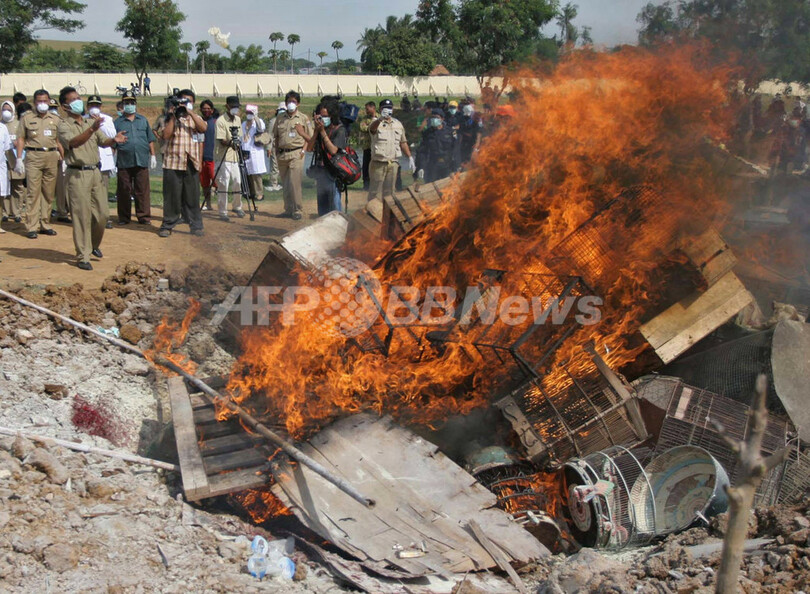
(152, 162)
(64, 166)
(114, 171)
(411, 163)
(19, 167)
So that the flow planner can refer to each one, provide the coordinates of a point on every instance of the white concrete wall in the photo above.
(248, 85)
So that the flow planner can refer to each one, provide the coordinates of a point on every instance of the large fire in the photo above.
(598, 124)
(169, 336)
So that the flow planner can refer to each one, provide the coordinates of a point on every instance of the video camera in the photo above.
(236, 142)
(179, 103)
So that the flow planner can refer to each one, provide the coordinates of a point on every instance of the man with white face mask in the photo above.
(37, 136)
(291, 134)
(105, 154)
(229, 180)
(12, 204)
(254, 137)
(387, 140)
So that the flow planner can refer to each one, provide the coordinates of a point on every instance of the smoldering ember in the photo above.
(170, 431)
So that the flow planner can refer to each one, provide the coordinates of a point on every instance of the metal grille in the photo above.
(581, 415)
(795, 477)
(598, 248)
(731, 369)
(690, 413)
(611, 518)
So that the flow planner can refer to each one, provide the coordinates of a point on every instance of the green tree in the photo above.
(497, 33)
(20, 19)
(185, 50)
(247, 59)
(586, 37)
(368, 44)
(292, 39)
(337, 46)
(275, 37)
(321, 55)
(773, 34)
(40, 58)
(565, 21)
(284, 56)
(153, 30)
(202, 48)
(398, 49)
(104, 57)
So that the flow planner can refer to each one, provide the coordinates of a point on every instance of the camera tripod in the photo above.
(244, 186)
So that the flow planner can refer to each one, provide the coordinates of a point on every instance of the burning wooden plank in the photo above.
(421, 497)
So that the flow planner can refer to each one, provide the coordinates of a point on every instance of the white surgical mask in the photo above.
(7, 115)
(94, 111)
(249, 117)
(291, 107)
(189, 106)
(452, 111)
(42, 107)
(468, 110)
(234, 111)
(326, 121)
(386, 112)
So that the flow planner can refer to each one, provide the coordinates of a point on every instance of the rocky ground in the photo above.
(73, 522)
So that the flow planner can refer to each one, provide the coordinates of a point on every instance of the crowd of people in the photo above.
(61, 152)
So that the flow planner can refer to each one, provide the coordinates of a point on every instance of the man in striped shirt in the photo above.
(183, 133)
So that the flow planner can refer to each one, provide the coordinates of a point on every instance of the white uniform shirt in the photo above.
(5, 145)
(256, 164)
(105, 153)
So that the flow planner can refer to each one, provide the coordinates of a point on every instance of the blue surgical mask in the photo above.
(76, 106)
(130, 108)
(435, 122)
(327, 121)
(452, 111)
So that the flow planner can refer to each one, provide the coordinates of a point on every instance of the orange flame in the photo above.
(170, 336)
(261, 504)
(598, 124)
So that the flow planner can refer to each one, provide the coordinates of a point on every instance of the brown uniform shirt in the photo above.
(39, 131)
(12, 160)
(285, 135)
(386, 142)
(86, 154)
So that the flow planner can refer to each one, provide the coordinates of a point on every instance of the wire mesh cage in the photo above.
(795, 482)
(577, 414)
(602, 513)
(691, 415)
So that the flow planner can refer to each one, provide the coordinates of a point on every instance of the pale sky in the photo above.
(319, 23)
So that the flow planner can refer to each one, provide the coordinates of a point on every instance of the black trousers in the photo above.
(366, 163)
(181, 198)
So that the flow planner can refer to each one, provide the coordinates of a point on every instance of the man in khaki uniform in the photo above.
(62, 207)
(291, 133)
(36, 135)
(12, 204)
(387, 140)
(86, 190)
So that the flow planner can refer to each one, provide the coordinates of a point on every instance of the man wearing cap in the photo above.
(105, 154)
(183, 132)
(37, 136)
(229, 180)
(81, 138)
(435, 154)
(134, 160)
(62, 210)
(254, 137)
(12, 204)
(387, 137)
(291, 133)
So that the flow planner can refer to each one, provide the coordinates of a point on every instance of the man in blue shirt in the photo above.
(207, 181)
(134, 160)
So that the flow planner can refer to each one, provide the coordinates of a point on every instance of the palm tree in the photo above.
(202, 48)
(322, 55)
(565, 20)
(283, 55)
(366, 44)
(292, 39)
(186, 48)
(275, 37)
(337, 46)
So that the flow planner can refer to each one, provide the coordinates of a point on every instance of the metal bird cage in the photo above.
(602, 513)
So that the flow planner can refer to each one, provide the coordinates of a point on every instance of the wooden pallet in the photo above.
(404, 210)
(215, 457)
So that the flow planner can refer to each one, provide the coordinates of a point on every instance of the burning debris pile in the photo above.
(526, 297)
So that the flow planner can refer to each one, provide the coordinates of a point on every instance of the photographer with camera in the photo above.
(330, 136)
(228, 175)
(291, 133)
(183, 133)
